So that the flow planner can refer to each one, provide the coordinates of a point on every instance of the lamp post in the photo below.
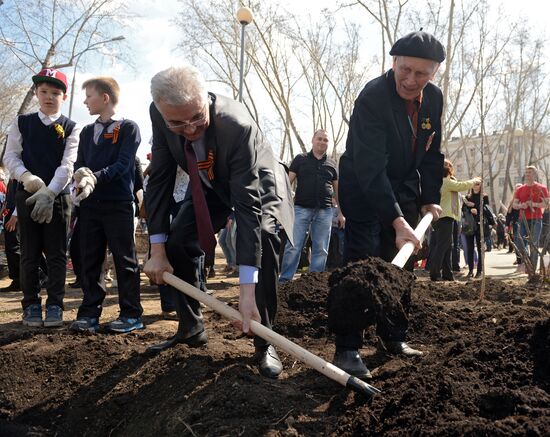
(245, 17)
(91, 47)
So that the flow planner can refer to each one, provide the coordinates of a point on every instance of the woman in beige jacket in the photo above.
(440, 264)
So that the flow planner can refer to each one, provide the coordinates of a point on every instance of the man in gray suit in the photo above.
(238, 171)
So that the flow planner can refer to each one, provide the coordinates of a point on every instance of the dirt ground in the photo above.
(486, 371)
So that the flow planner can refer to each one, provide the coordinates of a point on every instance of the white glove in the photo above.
(83, 194)
(31, 183)
(43, 205)
(82, 172)
(84, 188)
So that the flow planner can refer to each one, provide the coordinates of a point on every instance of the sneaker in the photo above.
(125, 324)
(54, 316)
(85, 324)
(32, 315)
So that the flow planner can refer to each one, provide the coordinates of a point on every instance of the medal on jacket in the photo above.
(426, 125)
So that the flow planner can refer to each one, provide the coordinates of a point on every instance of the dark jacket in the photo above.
(247, 175)
(379, 169)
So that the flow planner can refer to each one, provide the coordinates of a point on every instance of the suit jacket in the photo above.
(379, 168)
(247, 175)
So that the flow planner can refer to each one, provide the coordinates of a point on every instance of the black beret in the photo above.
(419, 45)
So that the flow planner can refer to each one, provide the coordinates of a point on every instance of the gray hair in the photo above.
(178, 86)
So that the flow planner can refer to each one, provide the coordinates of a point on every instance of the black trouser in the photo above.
(432, 242)
(110, 223)
(48, 238)
(13, 252)
(366, 238)
(470, 241)
(13, 257)
(186, 257)
(74, 250)
(441, 256)
(455, 250)
(166, 292)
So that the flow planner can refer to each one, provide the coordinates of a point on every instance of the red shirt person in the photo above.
(531, 197)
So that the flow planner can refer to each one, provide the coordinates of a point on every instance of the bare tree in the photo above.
(388, 15)
(297, 66)
(12, 92)
(334, 74)
(56, 33)
(210, 34)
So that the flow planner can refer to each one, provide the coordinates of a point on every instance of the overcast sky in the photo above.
(152, 40)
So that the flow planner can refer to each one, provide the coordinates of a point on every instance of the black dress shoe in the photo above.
(197, 340)
(448, 278)
(398, 348)
(350, 361)
(14, 286)
(75, 284)
(270, 365)
(436, 279)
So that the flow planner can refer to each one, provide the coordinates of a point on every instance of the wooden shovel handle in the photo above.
(272, 337)
(406, 251)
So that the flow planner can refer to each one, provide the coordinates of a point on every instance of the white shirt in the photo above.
(98, 127)
(181, 184)
(14, 149)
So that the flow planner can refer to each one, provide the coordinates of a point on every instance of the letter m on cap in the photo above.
(50, 72)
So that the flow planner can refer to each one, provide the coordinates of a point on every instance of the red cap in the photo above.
(51, 75)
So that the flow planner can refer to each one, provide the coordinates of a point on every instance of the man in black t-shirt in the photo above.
(317, 182)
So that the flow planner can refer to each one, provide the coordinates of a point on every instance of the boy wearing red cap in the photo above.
(40, 154)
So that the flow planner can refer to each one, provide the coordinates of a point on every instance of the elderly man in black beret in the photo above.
(391, 173)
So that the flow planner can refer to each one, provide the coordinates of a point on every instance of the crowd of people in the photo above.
(212, 171)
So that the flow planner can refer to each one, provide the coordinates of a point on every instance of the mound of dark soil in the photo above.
(485, 372)
(366, 291)
(301, 312)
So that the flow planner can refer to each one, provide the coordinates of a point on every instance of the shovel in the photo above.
(406, 251)
(272, 337)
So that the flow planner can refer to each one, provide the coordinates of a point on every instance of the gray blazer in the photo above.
(247, 176)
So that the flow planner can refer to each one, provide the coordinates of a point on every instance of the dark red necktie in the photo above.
(207, 240)
(412, 114)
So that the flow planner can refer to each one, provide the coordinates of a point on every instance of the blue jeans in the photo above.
(534, 231)
(318, 221)
(226, 240)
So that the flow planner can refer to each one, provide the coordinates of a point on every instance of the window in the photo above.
(501, 181)
(502, 148)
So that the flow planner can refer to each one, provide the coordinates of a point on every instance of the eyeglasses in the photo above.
(198, 122)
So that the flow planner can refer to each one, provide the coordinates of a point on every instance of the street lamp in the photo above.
(91, 47)
(244, 16)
